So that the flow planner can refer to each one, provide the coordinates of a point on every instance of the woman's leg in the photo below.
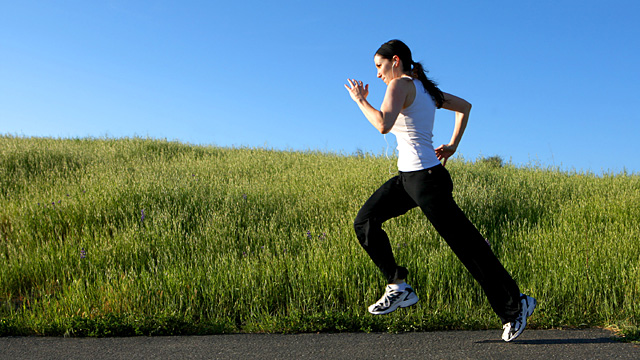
(389, 201)
(432, 190)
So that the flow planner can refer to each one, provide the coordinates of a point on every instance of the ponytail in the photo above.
(430, 86)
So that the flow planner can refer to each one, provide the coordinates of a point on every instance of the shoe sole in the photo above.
(531, 307)
(405, 303)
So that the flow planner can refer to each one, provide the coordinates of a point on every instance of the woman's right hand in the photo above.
(444, 152)
(357, 90)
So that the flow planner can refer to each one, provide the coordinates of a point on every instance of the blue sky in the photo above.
(554, 83)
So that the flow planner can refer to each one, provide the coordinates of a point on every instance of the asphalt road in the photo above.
(532, 344)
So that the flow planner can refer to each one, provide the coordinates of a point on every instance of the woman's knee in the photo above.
(362, 227)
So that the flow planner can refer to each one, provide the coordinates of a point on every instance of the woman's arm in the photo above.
(383, 119)
(462, 108)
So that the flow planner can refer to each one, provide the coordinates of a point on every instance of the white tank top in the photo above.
(414, 132)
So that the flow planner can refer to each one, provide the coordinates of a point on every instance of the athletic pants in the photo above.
(431, 190)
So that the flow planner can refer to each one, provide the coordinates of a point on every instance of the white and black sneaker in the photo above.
(513, 329)
(393, 299)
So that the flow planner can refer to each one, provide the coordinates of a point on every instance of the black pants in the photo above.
(431, 190)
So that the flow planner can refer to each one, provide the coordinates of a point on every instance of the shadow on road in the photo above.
(558, 341)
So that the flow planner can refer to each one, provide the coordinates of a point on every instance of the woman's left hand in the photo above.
(444, 152)
(357, 89)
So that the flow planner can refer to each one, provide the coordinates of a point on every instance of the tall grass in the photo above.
(134, 236)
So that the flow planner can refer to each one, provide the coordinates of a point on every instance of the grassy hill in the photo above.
(107, 237)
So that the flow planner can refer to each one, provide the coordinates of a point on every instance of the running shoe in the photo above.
(513, 329)
(393, 299)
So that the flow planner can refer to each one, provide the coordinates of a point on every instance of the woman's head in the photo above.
(393, 59)
(395, 50)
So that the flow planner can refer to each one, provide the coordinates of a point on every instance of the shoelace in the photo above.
(388, 297)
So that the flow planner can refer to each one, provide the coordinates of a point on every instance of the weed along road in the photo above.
(533, 344)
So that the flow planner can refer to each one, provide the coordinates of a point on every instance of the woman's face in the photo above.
(385, 68)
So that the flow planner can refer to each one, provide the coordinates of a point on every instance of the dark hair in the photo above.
(397, 47)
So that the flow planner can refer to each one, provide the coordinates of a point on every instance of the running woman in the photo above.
(408, 112)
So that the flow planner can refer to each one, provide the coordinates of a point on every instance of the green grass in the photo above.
(255, 240)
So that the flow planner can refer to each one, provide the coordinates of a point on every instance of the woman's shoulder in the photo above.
(404, 82)
(404, 85)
